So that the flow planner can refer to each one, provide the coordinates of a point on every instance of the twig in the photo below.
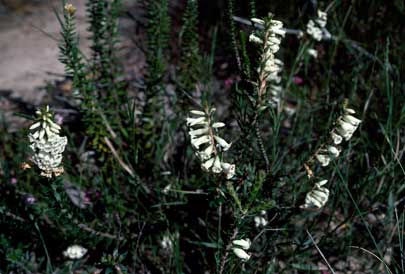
(98, 233)
(262, 148)
(126, 167)
(259, 26)
(227, 249)
(320, 252)
(299, 33)
(375, 256)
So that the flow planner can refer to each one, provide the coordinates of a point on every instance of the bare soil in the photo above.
(28, 45)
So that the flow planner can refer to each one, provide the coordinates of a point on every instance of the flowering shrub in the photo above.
(269, 153)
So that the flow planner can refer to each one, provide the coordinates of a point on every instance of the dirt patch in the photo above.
(28, 49)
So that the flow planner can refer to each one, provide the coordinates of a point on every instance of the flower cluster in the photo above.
(318, 196)
(204, 138)
(239, 247)
(346, 125)
(315, 28)
(75, 252)
(261, 221)
(46, 144)
(270, 67)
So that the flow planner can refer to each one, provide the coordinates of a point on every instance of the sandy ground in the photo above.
(28, 54)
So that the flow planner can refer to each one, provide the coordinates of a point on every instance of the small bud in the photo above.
(70, 9)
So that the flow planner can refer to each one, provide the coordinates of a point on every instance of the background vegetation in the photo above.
(133, 192)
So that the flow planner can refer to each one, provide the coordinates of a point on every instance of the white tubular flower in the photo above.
(345, 129)
(318, 196)
(216, 167)
(46, 144)
(208, 164)
(202, 130)
(277, 28)
(270, 66)
(196, 121)
(197, 112)
(314, 31)
(196, 142)
(347, 124)
(337, 139)
(225, 145)
(322, 18)
(334, 151)
(242, 243)
(258, 21)
(260, 221)
(351, 120)
(239, 248)
(240, 253)
(316, 27)
(323, 159)
(313, 53)
(255, 39)
(228, 169)
(75, 252)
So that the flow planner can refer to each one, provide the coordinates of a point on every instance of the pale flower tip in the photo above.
(258, 21)
(35, 125)
(218, 125)
(240, 253)
(198, 112)
(242, 243)
(75, 252)
(70, 9)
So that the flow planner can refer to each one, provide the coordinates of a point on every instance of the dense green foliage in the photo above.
(133, 192)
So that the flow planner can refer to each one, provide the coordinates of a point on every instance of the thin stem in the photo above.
(227, 249)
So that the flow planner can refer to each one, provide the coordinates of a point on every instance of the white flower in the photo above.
(206, 153)
(240, 253)
(225, 146)
(322, 18)
(201, 131)
(228, 169)
(315, 27)
(46, 144)
(242, 243)
(351, 119)
(197, 132)
(260, 221)
(318, 196)
(196, 142)
(216, 168)
(314, 31)
(313, 53)
(337, 139)
(167, 188)
(167, 242)
(196, 121)
(208, 164)
(218, 125)
(346, 129)
(277, 27)
(333, 151)
(255, 39)
(324, 159)
(75, 252)
(197, 112)
(258, 21)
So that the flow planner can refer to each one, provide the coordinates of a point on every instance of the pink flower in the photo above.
(298, 80)
(59, 119)
(228, 83)
(30, 200)
(13, 181)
